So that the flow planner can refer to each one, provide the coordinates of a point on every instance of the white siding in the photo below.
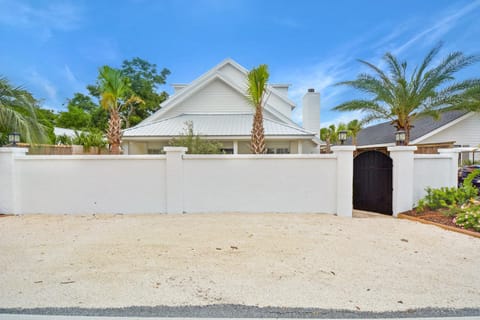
(233, 74)
(216, 97)
(465, 132)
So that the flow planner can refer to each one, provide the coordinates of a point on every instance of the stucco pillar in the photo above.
(299, 147)
(344, 156)
(174, 178)
(453, 154)
(402, 178)
(235, 147)
(9, 197)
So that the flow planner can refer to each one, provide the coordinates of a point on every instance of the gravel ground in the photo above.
(234, 261)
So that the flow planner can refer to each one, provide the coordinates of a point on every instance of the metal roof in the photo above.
(212, 124)
(385, 132)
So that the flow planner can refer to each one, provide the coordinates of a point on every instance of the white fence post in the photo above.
(8, 179)
(402, 180)
(453, 153)
(174, 179)
(344, 179)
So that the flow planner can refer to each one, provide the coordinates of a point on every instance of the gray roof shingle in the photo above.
(385, 132)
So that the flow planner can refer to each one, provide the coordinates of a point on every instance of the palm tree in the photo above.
(402, 98)
(115, 96)
(18, 113)
(470, 100)
(353, 128)
(257, 80)
(330, 135)
(327, 134)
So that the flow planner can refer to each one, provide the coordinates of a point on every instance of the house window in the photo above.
(278, 151)
(282, 151)
(227, 150)
(154, 151)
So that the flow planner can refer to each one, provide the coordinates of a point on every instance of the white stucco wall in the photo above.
(91, 184)
(432, 170)
(176, 183)
(267, 184)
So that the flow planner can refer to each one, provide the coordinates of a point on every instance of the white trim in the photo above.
(257, 156)
(240, 138)
(445, 126)
(91, 157)
(381, 145)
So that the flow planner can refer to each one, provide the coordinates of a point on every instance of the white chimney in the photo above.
(311, 111)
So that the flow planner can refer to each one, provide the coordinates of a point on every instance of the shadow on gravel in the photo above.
(242, 311)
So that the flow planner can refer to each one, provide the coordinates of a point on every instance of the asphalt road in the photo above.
(238, 311)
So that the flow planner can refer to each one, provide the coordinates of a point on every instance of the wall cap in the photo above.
(402, 149)
(343, 148)
(175, 149)
(450, 150)
(13, 150)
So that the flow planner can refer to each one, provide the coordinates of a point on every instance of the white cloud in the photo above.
(55, 15)
(76, 84)
(46, 86)
(434, 33)
(322, 76)
(343, 118)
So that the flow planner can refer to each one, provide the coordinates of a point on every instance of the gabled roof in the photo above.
(210, 76)
(384, 133)
(213, 125)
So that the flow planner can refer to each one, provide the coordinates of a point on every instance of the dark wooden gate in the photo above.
(372, 182)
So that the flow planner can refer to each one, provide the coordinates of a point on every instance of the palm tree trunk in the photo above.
(327, 147)
(258, 134)
(114, 133)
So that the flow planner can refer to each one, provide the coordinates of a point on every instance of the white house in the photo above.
(217, 105)
(454, 128)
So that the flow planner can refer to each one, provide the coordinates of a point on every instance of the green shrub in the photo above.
(449, 197)
(89, 140)
(194, 143)
(469, 217)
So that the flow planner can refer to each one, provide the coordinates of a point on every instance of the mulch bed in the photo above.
(437, 217)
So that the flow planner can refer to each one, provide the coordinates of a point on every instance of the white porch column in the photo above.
(235, 147)
(453, 153)
(9, 193)
(174, 179)
(344, 179)
(299, 147)
(402, 178)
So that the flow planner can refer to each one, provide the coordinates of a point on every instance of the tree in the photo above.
(330, 135)
(194, 143)
(353, 128)
(401, 97)
(144, 80)
(83, 114)
(18, 112)
(470, 100)
(74, 118)
(257, 80)
(115, 96)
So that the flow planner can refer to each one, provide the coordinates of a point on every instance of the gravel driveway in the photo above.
(278, 260)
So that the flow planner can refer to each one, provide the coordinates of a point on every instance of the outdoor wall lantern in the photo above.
(14, 138)
(342, 136)
(400, 137)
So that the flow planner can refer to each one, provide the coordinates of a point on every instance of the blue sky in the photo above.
(54, 48)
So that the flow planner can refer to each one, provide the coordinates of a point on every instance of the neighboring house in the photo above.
(65, 132)
(454, 128)
(217, 105)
